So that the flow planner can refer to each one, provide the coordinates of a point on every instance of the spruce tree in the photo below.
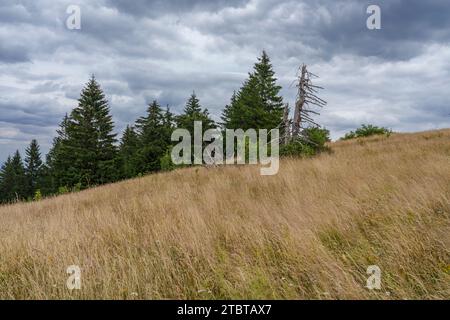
(258, 104)
(20, 186)
(153, 138)
(12, 179)
(149, 127)
(227, 113)
(168, 124)
(6, 181)
(58, 164)
(194, 112)
(269, 90)
(33, 167)
(168, 127)
(129, 147)
(90, 139)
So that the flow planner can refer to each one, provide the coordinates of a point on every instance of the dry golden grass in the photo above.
(309, 232)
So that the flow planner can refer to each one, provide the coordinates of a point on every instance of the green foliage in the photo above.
(19, 176)
(86, 147)
(193, 112)
(77, 187)
(154, 131)
(127, 157)
(83, 153)
(33, 168)
(63, 190)
(166, 162)
(37, 195)
(314, 142)
(367, 131)
(296, 148)
(13, 181)
(317, 138)
(54, 171)
(7, 183)
(257, 104)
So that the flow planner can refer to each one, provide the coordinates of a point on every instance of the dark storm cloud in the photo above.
(145, 50)
(406, 27)
(334, 27)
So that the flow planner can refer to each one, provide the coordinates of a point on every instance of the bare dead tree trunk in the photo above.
(299, 104)
(286, 125)
(306, 99)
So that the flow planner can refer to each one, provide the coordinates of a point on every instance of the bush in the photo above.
(367, 131)
(37, 195)
(317, 138)
(77, 187)
(63, 190)
(295, 149)
(314, 142)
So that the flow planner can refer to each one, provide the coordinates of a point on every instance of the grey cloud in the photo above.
(154, 8)
(28, 113)
(14, 54)
(13, 12)
(333, 27)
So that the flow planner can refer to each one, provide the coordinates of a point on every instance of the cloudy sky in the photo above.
(143, 50)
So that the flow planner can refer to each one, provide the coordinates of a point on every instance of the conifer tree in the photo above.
(90, 143)
(55, 171)
(13, 179)
(153, 138)
(149, 127)
(194, 112)
(227, 113)
(20, 178)
(268, 89)
(129, 147)
(33, 167)
(169, 125)
(6, 181)
(258, 104)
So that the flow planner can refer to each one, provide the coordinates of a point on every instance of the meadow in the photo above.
(309, 232)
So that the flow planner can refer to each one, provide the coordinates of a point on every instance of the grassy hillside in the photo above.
(309, 232)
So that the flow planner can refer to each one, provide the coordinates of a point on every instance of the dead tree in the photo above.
(306, 99)
(287, 123)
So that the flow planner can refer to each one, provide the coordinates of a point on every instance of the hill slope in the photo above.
(309, 232)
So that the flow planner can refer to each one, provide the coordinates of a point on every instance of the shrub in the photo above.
(77, 187)
(295, 149)
(314, 142)
(63, 190)
(37, 195)
(317, 138)
(367, 131)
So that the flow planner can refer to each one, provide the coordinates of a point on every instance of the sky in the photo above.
(397, 76)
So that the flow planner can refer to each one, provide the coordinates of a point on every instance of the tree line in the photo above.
(86, 152)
